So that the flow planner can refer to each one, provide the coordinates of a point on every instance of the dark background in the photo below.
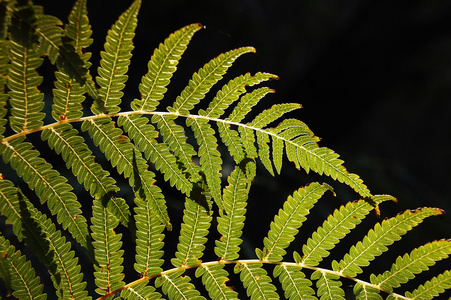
(374, 78)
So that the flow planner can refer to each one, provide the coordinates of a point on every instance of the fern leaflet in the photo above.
(115, 61)
(375, 242)
(287, 223)
(256, 281)
(433, 287)
(294, 283)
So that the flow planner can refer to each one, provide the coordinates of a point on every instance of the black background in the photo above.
(374, 78)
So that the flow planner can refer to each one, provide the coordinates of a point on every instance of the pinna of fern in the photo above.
(145, 139)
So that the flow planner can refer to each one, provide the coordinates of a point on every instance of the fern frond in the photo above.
(294, 283)
(375, 242)
(433, 287)
(140, 291)
(144, 136)
(214, 279)
(25, 99)
(178, 287)
(123, 155)
(196, 222)
(22, 276)
(107, 249)
(287, 223)
(231, 91)
(49, 186)
(204, 79)
(149, 239)
(302, 149)
(231, 217)
(174, 136)
(162, 65)
(115, 60)
(210, 158)
(256, 281)
(405, 268)
(336, 227)
(328, 286)
(68, 92)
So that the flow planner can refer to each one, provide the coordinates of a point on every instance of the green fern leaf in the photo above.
(287, 223)
(294, 283)
(272, 114)
(375, 242)
(256, 281)
(231, 218)
(366, 292)
(248, 138)
(210, 158)
(140, 291)
(302, 149)
(144, 136)
(115, 61)
(231, 91)
(22, 276)
(68, 92)
(162, 65)
(67, 142)
(196, 222)
(419, 260)
(107, 249)
(336, 227)
(432, 288)
(49, 186)
(149, 239)
(25, 99)
(174, 136)
(214, 279)
(178, 287)
(328, 286)
(204, 79)
(122, 155)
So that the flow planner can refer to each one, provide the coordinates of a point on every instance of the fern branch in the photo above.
(178, 287)
(287, 223)
(336, 227)
(149, 239)
(210, 158)
(107, 250)
(433, 287)
(197, 221)
(25, 99)
(375, 242)
(231, 217)
(115, 60)
(417, 261)
(162, 65)
(329, 285)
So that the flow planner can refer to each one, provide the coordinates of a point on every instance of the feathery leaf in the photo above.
(433, 287)
(214, 279)
(375, 242)
(287, 223)
(328, 286)
(256, 281)
(162, 65)
(294, 283)
(115, 61)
